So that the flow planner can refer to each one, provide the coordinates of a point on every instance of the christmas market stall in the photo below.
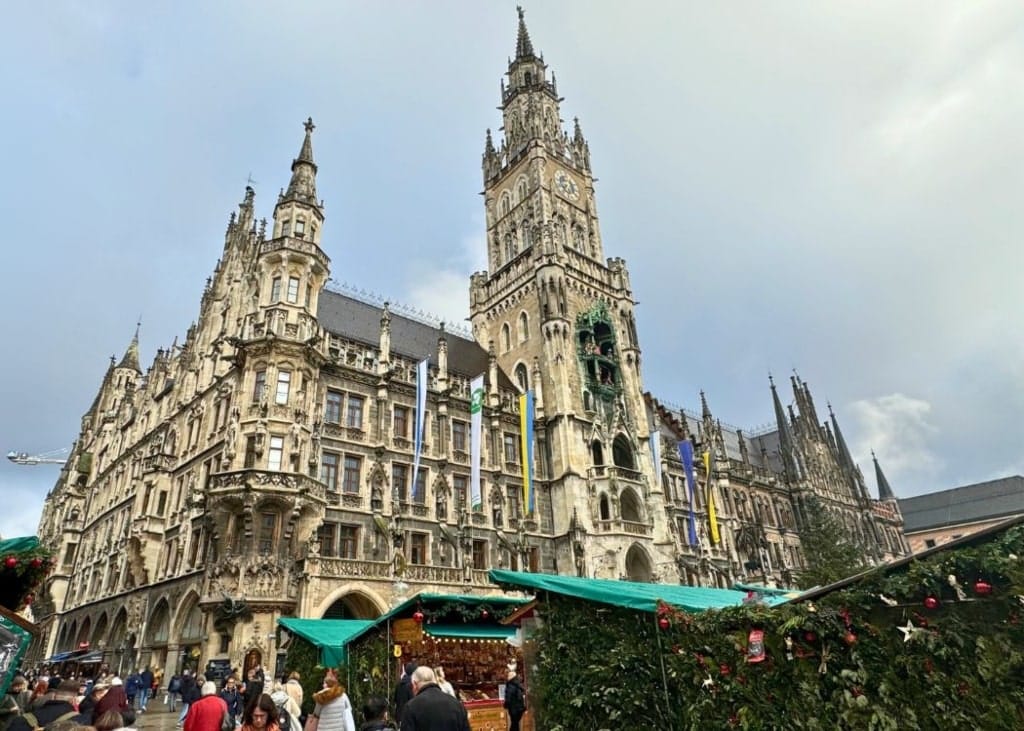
(931, 642)
(23, 566)
(462, 634)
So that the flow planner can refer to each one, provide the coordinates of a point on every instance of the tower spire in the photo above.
(524, 47)
(298, 212)
(884, 490)
(785, 436)
(130, 359)
(303, 182)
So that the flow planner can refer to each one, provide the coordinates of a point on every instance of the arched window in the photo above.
(622, 453)
(510, 246)
(506, 338)
(577, 238)
(597, 452)
(522, 378)
(638, 564)
(506, 204)
(521, 191)
(524, 327)
(606, 513)
(629, 507)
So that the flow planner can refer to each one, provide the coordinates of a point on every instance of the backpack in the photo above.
(284, 719)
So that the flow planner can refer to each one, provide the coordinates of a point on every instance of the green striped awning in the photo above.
(470, 631)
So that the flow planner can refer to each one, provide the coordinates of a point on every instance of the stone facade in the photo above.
(262, 467)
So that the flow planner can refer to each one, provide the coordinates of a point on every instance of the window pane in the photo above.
(261, 384)
(328, 539)
(348, 541)
(329, 470)
(401, 422)
(284, 379)
(400, 480)
(353, 467)
(275, 290)
(354, 419)
(459, 435)
(274, 455)
(293, 290)
(421, 486)
(332, 408)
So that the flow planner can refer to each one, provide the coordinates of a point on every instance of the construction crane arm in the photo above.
(57, 456)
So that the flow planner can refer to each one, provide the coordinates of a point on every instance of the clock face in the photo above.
(566, 185)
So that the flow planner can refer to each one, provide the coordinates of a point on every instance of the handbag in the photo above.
(227, 723)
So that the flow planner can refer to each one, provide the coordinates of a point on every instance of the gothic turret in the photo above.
(130, 359)
(786, 445)
(299, 212)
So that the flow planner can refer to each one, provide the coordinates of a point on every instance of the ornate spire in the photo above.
(705, 412)
(524, 47)
(130, 359)
(785, 436)
(884, 490)
(303, 182)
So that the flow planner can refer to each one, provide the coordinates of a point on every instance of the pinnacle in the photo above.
(524, 47)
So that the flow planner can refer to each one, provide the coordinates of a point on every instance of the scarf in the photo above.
(328, 694)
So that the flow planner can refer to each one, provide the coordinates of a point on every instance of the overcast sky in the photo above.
(831, 187)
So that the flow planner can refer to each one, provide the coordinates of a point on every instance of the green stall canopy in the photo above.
(469, 631)
(629, 594)
(330, 635)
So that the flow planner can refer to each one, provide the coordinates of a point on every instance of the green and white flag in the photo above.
(476, 409)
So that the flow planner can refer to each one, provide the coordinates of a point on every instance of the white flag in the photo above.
(476, 408)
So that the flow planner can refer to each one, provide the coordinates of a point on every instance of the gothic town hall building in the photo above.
(263, 466)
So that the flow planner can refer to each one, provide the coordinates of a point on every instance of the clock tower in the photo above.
(559, 318)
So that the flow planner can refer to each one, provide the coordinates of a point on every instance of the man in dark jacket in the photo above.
(189, 694)
(173, 692)
(232, 697)
(403, 691)
(57, 705)
(432, 709)
(515, 699)
(132, 684)
(375, 715)
(145, 688)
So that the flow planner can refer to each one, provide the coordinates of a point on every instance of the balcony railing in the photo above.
(603, 471)
(624, 526)
(347, 568)
(266, 481)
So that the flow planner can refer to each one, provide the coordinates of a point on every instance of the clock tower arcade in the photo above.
(559, 319)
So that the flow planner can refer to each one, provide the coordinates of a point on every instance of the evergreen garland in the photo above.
(839, 663)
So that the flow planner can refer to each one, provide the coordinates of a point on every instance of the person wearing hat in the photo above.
(88, 703)
(115, 699)
(56, 705)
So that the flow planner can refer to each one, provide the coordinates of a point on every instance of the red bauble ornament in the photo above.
(36, 563)
(810, 636)
(484, 614)
(982, 587)
(10, 562)
(664, 623)
(931, 602)
(724, 669)
(849, 638)
(417, 617)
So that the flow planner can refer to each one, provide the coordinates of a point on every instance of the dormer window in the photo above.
(286, 227)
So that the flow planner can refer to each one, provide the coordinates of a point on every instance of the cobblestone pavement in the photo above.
(157, 718)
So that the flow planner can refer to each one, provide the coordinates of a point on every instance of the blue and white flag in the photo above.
(686, 454)
(421, 412)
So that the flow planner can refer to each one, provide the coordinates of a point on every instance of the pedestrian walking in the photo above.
(403, 691)
(173, 692)
(333, 709)
(207, 712)
(515, 699)
(145, 688)
(232, 698)
(261, 715)
(431, 709)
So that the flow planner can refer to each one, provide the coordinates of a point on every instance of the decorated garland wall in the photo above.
(935, 645)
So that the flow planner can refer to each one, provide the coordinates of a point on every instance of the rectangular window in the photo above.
(261, 385)
(300, 227)
(275, 453)
(480, 555)
(354, 413)
(332, 407)
(286, 227)
(511, 448)
(513, 492)
(327, 535)
(329, 470)
(348, 541)
(401, 422)
(353, 466)
(459, 435)
(250, 452)
(161, 503)
(400, 480)
(534, 557)
(293, 290)
(69, 554)
(275, 290)
(460, 487)
(418, 548)
(284, 381)
(268, 531)
(421, 486)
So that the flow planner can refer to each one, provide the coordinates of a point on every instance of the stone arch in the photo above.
(72, 633)
(638, 564)
(360, 602)
(118, 629)
(159, 624)
(99, 633)
(83, 632)
(181, 616)
(630, 508)
(622, 453)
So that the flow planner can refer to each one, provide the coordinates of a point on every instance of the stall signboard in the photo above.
(487, 716)
(405, 631)
(14, 641)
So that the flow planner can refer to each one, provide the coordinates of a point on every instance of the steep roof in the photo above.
(357, 320)
(968, 504)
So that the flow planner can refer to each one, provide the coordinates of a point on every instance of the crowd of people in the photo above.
(423, 701)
